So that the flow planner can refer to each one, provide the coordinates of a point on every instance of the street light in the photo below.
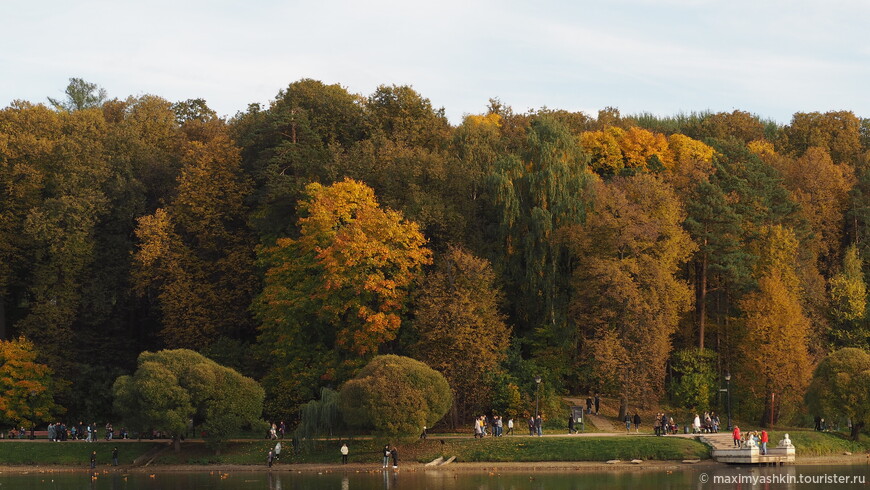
(728, 391)
(537, 388)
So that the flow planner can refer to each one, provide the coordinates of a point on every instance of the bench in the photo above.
(37, 434)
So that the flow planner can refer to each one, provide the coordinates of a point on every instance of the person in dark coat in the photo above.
(636, 422)
(588, 404)
(395, 456)
(571, 424)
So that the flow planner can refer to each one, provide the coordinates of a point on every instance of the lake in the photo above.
(820, 477)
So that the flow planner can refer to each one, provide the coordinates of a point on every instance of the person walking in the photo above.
(387, 455)
(344, 452)
(531, 425)
(539, 425)
(735, 434)
(571, 424)
(627, 421)
(636, 421)
(763, 441)
(114, 456)
(511, 426)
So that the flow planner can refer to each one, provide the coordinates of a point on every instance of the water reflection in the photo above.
(677, 478)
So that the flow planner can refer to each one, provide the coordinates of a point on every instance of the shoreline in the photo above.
(507, 467)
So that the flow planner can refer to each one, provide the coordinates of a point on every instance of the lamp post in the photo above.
(728, 391)
(537, 388)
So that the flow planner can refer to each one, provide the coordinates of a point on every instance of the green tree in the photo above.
(695, 380)
(535, 195)
(80, 95)
(841, 387)
(461, 333)
(395, 395)
(849, 298)
(294, 142)
(172, 387)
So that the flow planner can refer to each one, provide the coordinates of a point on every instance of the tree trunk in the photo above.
(701, 307)
(856, 430)
(623, 407)
(176, 441)
(2, 318)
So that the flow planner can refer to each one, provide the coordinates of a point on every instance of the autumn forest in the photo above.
(640, 256)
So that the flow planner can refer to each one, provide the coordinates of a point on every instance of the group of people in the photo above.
(276, 431)
(750, 439)
(390, 453)
(664, 425)
(629, 419)
(59, 431)
(593, 401)
(114, 458)
(274, 454)
(710, 423)
(492, 425)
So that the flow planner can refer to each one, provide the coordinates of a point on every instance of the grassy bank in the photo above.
(503, 449)
(813, 443)
(70, 453)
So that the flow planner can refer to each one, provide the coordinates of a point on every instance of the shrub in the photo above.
(395, 395)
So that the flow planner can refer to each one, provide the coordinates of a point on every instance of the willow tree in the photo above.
(628, 298)
(537, 193)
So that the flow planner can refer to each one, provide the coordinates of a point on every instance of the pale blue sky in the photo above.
(772, 58)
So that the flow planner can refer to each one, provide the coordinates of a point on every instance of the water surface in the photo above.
(682, 478)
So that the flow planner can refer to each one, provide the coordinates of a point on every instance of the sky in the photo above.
(769, 57)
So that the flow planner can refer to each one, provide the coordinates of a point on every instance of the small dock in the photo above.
(724, 451)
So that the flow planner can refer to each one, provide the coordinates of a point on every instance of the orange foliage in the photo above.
(25, 385)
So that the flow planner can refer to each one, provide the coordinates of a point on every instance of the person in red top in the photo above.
(763, 442)
(736, 436)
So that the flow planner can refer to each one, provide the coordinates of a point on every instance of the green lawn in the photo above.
(814, 443)
(70, 452)
(503, 449)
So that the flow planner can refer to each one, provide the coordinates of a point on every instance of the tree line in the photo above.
(639, 256)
